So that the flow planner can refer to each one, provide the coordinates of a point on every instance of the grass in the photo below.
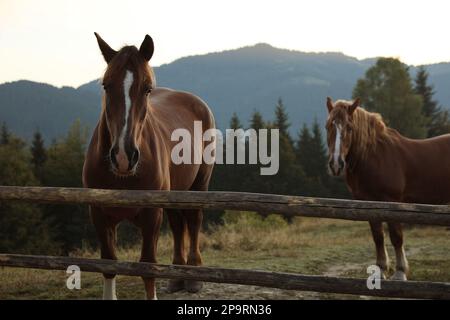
(308, 246)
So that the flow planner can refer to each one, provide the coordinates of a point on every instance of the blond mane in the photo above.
(368, 130)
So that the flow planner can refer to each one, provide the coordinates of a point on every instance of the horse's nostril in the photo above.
(112, 156)
(134, 158)
(341, 163)
(331, 167)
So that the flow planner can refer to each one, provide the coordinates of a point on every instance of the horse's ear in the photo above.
(107, 52)
(355, 105)
(147, 48)
(329, 104)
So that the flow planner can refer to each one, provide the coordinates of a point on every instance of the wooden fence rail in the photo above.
(280, 204)
(289, 281)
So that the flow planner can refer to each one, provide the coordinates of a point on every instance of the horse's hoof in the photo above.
(175, 285)
(399, 275)
(193, 286)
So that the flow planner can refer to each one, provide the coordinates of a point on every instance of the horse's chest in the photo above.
(375, 185)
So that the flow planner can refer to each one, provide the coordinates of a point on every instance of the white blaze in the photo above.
(127, 82)
(337, 145)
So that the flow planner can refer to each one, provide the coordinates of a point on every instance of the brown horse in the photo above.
(382, 165)
(131, 149)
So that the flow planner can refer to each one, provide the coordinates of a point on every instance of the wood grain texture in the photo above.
(278, 204)
(289, 281)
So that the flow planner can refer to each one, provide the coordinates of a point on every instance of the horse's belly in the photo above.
(183, 176)
(431, 190)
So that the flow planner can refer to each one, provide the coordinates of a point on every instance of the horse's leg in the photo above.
(177, 224)
(378, 237)
(106, 233)
(194, 220)
(194, 223)
(401, 264)
(150, 222)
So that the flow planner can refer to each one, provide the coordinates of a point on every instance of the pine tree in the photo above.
(38, 154)
(237, 137)
(386, 88)
(430, 107)
(235, 123)
(257, 121)
(5, 135)
(303, 149)
(281, 119)
(437, 119)
(319, 156)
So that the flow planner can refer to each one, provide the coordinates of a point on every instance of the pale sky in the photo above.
(52, 40)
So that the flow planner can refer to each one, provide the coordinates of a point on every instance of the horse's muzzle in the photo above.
(124, 163)
(336, 169)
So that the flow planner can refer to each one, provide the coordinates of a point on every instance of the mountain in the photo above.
(253, 78)
(241, 81)
(26, 106)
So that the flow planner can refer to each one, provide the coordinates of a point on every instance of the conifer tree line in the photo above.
(406, 104)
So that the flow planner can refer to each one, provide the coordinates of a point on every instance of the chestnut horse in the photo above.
(131, 149)
(382, 165)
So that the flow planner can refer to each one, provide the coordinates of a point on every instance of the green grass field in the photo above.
(308, 246)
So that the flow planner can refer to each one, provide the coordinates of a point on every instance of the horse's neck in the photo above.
(357, 160)
(376, 156)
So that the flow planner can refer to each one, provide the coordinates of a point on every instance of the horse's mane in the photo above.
(369, 130)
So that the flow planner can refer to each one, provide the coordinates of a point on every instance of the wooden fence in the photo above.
(279, 204)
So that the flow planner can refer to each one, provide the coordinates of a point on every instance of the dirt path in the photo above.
(241, 292)
(341, 270)
(219, 291)
(346, 268)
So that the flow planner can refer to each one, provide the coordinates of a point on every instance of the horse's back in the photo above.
(427, 151)
(426, 169)
(437, 140)
(406, 170)
(179, 109)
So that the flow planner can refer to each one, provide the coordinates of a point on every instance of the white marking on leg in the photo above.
(109, 289)
(146, 297)
(337, 146)
(401, 265)
(384, 261)
(127, 82)
(402, 261)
